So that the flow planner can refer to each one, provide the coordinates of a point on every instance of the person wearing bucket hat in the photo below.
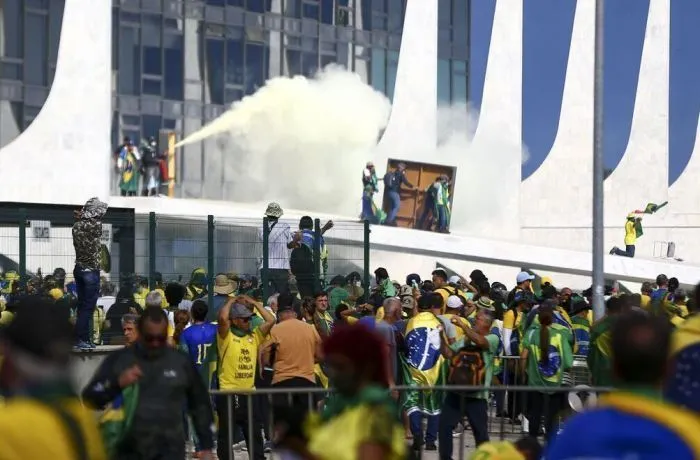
(224, 287)
(581, 325)
(279, 244)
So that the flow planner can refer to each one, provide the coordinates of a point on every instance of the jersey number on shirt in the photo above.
(202, 352)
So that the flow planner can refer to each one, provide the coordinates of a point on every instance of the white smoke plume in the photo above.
(302, 142)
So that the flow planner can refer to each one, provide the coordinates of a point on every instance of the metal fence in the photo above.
(38, 240)
(262, 408)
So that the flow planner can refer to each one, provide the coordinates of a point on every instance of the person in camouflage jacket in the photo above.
(87, 231)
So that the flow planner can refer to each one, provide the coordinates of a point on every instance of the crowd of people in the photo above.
(141, 169)
(386, 372)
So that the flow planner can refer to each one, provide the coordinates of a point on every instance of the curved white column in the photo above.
(64, 155)
(561, 187)
(411, 133)
(490, 168)
(642, 174)
(684, 193)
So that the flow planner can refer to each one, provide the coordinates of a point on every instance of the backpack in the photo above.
(149, 157)
(467, 367)
(301, 261)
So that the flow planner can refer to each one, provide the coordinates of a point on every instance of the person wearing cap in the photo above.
(279, 245)
(292, 350)
(42, 413)
(470, 404)
(443, 288)
(581, 325)
(166, 382)
(454, 306)
(523, 282)
(224, 287)
(87, 232)
(393, 180)
(238, 347)
(633, 230)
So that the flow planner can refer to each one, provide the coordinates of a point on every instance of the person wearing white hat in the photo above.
(279, 245)
(453, 309)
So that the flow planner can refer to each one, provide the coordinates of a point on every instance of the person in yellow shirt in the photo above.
(43, 418)
(633, 225)
(238, 350)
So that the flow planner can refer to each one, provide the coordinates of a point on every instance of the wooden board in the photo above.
(421, 175)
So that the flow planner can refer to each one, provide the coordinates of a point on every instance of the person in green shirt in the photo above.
(384, 285)
(599, 351)
(546, 354)
(473, 405)
(337, 293)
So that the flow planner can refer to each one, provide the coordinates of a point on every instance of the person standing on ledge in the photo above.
(633, 230)
(87, 231)
(392, 187)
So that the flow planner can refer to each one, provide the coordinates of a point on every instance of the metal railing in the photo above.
(262, 404)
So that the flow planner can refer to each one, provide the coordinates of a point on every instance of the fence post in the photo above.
(210, 259)
(22, 223)
(151, 250)
(365, 280)
(317, 255)
(265, 258)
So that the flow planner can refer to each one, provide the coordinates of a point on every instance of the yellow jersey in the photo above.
(238, 358)
(630, 233)
(32, 430)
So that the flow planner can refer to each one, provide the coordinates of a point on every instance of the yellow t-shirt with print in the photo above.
(459, 332)
(510, 320)
(238, 357)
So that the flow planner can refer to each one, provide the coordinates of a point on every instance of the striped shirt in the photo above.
(280, 236)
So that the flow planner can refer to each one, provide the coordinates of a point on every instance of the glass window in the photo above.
(459, 81)
(309, 64)
(150, 126)
(11, 122)
(366, 14)
(215, 70)
(391, 66)
(55, 21)
(378, 72)
(293, 62)
(255, 72)
(234, 62)
(152, 86)
(232, 95)
(443, 82)
(326, 60)
(379, 6)
(129, 61)
(460, 22)
(396, 15)
(445, 13)
(258, 6)
(152, 63)
(217, 2)
(10, 71)
(36, 58)
(379, 21)
(292, 8)
(174, 77)
(310, 9)
(151, 27)
(12, 29)
(328, 12)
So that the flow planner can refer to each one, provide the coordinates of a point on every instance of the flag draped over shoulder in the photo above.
(422, 364)
(600, 353)
(683, 383)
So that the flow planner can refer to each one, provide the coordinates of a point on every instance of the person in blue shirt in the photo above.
(392, 188)
(634, 421)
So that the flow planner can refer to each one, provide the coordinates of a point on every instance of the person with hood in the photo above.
(87, 232)
(384, 285)
(634, 421)
(633, 230)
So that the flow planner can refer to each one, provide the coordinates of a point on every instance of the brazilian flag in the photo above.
(651, 208)
(116, 419)
(423, 364)
(600, 353)
(683, 383)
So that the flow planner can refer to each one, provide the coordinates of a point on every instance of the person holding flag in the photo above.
(633, 229)
(422, 365)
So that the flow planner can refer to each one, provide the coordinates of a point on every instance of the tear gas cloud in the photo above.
(303, 142)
